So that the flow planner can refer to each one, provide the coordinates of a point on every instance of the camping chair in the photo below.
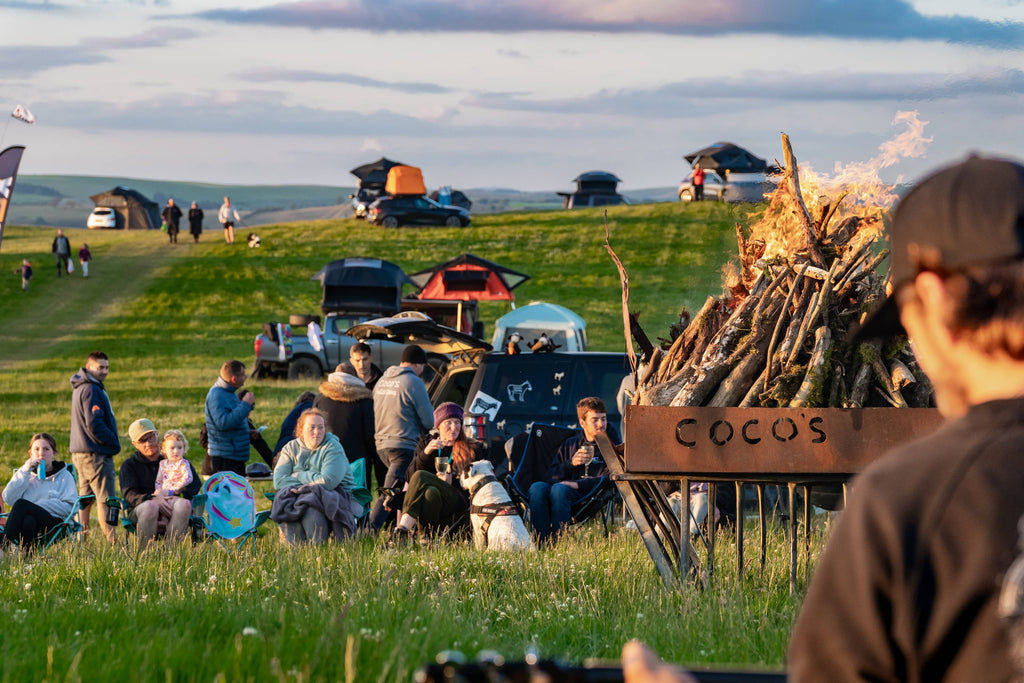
(71, 525)
(226, 509)
(530, 455)
(360, 492)
(195, 523)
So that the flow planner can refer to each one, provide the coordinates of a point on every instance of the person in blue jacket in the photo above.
(227, 419)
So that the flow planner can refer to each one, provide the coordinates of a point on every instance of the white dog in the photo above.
(496, 521)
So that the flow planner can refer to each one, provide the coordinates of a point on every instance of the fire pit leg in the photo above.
(792, 537)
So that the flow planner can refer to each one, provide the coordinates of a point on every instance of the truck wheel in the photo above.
(304, 368)
(300, 320)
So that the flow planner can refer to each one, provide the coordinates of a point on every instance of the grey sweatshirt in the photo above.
(401, 409)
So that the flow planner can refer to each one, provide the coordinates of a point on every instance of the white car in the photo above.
(102, 217)
(714, 187)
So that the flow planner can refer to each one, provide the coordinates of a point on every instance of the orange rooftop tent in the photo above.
(468, 278)
(405, 180)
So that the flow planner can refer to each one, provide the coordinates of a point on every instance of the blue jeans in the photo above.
(551, 508)
(398, 462)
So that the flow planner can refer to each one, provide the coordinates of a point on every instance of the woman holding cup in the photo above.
(41, 493)
(434, 498)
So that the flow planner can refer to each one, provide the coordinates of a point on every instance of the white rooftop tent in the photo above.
(564, 327)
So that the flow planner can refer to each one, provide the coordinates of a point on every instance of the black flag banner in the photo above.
(9, 160)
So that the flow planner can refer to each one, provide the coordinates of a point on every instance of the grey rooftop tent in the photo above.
(726, 156)
(358, 285)
(134, 210)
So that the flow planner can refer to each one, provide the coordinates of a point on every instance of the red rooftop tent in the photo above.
(468, 278)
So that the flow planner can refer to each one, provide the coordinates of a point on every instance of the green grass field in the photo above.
(168, 316)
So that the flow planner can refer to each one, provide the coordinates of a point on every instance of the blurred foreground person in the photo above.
(908, 586)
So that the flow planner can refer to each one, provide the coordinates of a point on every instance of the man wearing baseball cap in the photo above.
(138, 483)
(909, 583)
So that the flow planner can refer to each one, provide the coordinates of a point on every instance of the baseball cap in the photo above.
(140, 427)
(967, 214)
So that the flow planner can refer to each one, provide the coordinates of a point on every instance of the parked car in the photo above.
(504, 394)
(101, 217)
(361, 201)
(391, 212)
(714, 187)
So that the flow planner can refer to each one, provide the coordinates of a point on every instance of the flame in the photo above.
(780, 228)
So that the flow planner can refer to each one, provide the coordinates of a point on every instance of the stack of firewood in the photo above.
(776, 337)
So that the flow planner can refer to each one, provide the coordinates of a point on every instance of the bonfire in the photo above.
(808, 271)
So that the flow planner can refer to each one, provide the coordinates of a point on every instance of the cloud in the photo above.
(866, 19)
(755, 89)
(155, 37)
(18, 61)
(307, 76)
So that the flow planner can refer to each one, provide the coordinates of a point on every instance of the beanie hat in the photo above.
(447, 411)
(342, 378)
(414, 354)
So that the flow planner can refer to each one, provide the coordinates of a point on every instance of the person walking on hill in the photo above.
(94, 438)
(61, 248)
(172, 217)
(227, 419)
(195, 222)
(228, 217)
(402, 412)
(84, 256)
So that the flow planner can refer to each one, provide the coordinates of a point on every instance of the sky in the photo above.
(522, 94)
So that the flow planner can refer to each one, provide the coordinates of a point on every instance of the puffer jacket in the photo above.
(227, 422)
(348, 414)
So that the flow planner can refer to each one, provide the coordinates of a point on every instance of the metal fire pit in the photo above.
(737, 446)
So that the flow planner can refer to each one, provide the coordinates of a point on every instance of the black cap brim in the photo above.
(882, 323)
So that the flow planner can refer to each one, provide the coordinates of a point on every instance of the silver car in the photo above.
(714, 187)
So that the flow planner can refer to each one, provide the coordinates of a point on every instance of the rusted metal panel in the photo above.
(746, 442)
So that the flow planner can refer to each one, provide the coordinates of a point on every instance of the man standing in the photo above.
(94, 439)
(228, 217)
(61, 248)
(227, 419)
(138, 481)
(360, 363)
(172, 217)
(576, 470)
(402, 412)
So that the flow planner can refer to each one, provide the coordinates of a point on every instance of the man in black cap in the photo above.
(909, 583)
(402, 412)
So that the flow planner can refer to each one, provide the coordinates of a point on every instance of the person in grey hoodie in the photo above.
(402, 412)
(94, 438)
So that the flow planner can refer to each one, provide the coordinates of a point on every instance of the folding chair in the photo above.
(195, 523)
(530, 455)
(71, 525)
(226, 509)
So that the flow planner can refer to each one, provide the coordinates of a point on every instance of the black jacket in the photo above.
(138, 479)
(348, 413)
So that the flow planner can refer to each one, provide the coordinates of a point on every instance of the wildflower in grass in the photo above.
(28, 586)
(250, 631)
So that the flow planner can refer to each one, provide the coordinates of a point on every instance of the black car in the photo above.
(392, 212)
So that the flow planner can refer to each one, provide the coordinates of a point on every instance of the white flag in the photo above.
(23, 114)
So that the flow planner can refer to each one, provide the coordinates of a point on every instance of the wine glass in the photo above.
(441, 464)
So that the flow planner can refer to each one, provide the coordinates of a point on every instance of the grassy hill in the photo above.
(169, 315)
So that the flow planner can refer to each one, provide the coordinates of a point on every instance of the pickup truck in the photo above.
(285, 349)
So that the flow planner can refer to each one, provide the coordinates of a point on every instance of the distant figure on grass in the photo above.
(401, 412)
(228, 217)
(195, 222)
(25, 270)
(575, 471)
(227, 419)
(61, 248)
(172, 217)
(94, 438)
(313, 486)
(152, 507)
(40, 499)
(698, 183)
(908, 587)
(84, 256)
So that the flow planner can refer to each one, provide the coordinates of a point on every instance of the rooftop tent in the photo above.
(405, 180)
(563, 326)
(135, 211)
(374, 175)
(468, 278)
(361, 285)
(725, 156)
(596, 181)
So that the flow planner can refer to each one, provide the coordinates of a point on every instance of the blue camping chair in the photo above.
(225, 508)
(530, 455)
(71, 525)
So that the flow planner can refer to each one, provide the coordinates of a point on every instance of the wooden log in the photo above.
(817, 371)
(874, 354)
(900, 374)
(861, 384)
(833, 206)
(657, 355)
(793, 177)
